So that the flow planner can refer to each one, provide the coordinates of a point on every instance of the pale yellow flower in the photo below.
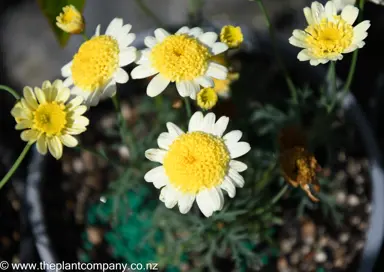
(70, 20)
(49, 117)
(206, 98)
(198, 164)
(231, 36)
(183, 58)
(329, 35)
(96, 67)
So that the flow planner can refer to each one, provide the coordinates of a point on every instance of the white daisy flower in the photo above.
(96, 67)
(183, 58)
(340, 4)
(198, 164)
(329, 35)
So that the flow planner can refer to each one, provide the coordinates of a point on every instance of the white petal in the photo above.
(218, 48)
(165, 140)
(97, 31)
(30, 97)
(238, 149)
(143, 57)
(350, 49)
(68, 82)
(236, 178)
(66, 70)
(41, 144)
(69, 140)
(208, 38)
(209, 122)
(217, 71)
(121, 76)
(349, 14)
(126, 40)
(193, 95)
(185, 88)
(303, 55)
(55, 147)
(205, 81)
(157, 85)
(114, 27)
(183, 30)
(317, 12)
(228, 186)
(143, 71)
(186, 202)
(174, 131)
(156, 155)
(157, 176)
(169, 196)
(195, 32)
(220, 126)
(161, 34)
(127, 56)
(308, 15)
(63, 95)
(330, 10)
(233, 136)
(30, 135)
(204, 203)
(196, 122)
(150, 41)
(238, 165)
(314, 62)
(126, 28)
(362, 27)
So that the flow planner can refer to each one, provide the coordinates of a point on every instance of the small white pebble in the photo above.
(295, 258)
(359, 179)
(360, 190)
(355, 220)
(305, 250)
(341, 197)
(368, 208)
(359, 245)
(353, 200)
(78, 165)
(344, 237)
(123, 152)
(341, 176)
(320, 257)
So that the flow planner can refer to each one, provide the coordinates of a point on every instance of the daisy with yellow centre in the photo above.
(207, 98)
(328, 34)
(47, 116)
(183, 58)
(70, 20)
(96, 67)
(231, 36)
(198, 164)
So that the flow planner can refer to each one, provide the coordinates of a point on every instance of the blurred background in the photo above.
(30, 54)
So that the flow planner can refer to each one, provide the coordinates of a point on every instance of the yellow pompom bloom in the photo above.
(231, 36)
(70, 20)
(207, 98)
(49, 117)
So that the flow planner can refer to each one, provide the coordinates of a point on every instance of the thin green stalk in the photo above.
(98, 154)
(334, 94)
(84, 36)
(188, 107)
(149, 12)
(280, 194)
(195, 12)
(11, 91)
(271, 30)
(15, 165)
(352, 68)
(125, 134)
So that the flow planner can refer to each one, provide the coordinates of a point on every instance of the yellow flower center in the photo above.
(207, 98)
(231, 36)
(195, 161)
(180, 57)
(50, 118)
(329, 38)
(95, 62)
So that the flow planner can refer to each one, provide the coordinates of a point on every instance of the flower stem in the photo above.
(188, 107)
(280, 194)
(333, 92)
(15, 165)
(272, 34)
(149, 12)
(11, 91)
(352, 68)
(126, 136)
(98, 154)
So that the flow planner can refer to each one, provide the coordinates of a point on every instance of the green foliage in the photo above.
(52, 8)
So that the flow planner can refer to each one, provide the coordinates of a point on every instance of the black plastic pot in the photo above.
(258, 42)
